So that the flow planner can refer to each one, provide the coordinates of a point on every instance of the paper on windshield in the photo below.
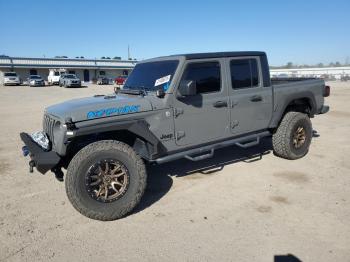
(162, 80)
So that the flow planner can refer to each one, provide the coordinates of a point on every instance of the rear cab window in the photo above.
(244, 73)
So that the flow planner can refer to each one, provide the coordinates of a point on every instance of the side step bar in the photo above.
(244, 142)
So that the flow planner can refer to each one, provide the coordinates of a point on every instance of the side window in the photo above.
(244, 73)
(206, 75)
(71, 72)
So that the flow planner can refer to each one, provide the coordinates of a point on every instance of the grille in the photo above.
(48, 126)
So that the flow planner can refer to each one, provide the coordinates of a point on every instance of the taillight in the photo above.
(327, 91)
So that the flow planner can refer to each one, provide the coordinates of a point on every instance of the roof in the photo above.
(222, 54)
(25, 62)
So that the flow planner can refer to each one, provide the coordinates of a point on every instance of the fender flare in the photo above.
(138, 127)
(300, 95)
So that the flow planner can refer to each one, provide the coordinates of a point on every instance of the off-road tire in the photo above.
(282, 139)
(78, 167)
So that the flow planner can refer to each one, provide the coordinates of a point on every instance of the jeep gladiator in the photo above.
(173, 107)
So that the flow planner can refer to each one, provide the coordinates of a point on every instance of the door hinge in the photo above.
(234, 123)
(178, 111)
(233, 103)
(180, 134)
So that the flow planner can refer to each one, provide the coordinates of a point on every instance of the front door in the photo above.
(86, 75)
(250, 101)
(203, 117)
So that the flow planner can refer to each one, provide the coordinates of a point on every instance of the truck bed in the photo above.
(277, 81)
(288, 89)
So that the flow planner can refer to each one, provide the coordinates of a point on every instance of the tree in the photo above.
(320, 65)
(289, 65)
(337, 64)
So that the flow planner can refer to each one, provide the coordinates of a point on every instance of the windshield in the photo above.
(152, 75)
(69, 76)
(10, 74)
(35, 77)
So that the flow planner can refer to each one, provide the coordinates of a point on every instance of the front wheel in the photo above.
(293, 136)
(105, 180)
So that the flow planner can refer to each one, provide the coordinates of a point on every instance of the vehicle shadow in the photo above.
(286, 258)
(160, 180)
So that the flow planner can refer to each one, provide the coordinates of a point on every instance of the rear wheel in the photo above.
(293, 136)
(105, 180)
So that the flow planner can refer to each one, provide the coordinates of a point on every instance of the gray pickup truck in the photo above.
(181, 106)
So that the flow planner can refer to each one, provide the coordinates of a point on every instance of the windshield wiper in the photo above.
(135, 90)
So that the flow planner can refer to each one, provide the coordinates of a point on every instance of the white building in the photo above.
(336, 72)
(85, 69)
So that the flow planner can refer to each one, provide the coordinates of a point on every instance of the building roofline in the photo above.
(311, 68)
(68, 59)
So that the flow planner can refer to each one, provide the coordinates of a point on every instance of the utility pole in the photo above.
(128, 52)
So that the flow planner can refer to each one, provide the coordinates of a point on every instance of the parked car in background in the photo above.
(11, 78)
(102, 80)
(120, 80)
(35, 80)
(344, 78)
(69, 80)
(55, 75)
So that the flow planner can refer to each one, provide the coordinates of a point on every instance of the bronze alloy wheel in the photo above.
(107, 180)
(299, 137)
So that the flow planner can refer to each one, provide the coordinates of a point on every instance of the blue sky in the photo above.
(298, 31)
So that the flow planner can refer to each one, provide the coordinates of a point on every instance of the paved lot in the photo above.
(235, 207)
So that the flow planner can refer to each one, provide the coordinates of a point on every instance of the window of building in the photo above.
(206, 75)
(33, 72)
(102, 73)
(244, 73)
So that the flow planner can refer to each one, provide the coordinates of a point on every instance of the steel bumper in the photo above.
(41, 159)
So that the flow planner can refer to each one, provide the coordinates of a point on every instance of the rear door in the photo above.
(203, 117)
(250, 101)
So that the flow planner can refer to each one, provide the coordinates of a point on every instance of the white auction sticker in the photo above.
(162, 80)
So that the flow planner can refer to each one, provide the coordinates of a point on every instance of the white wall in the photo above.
(44, 72)
(337, 72)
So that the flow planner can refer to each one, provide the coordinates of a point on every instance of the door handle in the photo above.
(220, 104)
(256, 98)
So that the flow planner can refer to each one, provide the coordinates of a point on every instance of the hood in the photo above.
(98, 107)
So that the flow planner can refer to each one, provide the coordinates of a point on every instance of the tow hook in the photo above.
(31, 166)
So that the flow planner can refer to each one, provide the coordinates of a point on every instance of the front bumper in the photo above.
(37, 84)
(74, 84)
(12, 82)
(43, 160)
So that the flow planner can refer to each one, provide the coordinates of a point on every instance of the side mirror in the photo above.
(187, 88)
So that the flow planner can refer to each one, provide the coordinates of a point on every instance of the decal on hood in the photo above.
(113, 111)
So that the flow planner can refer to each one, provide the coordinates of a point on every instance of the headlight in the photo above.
(41, 139)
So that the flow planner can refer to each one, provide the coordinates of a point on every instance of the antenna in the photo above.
(129, 53)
